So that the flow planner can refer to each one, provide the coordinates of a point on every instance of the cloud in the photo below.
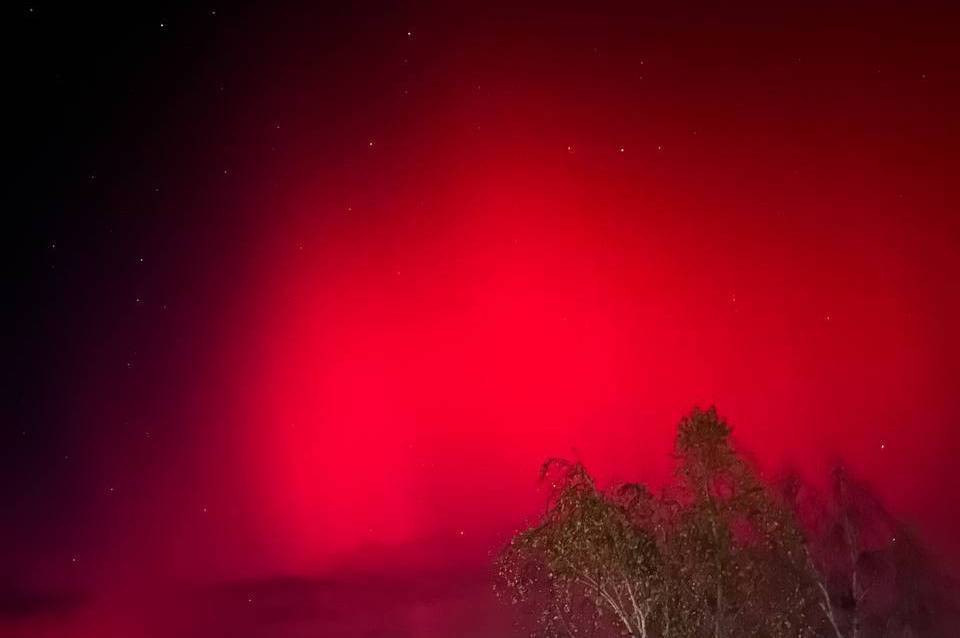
(18, 604)
(352, 602)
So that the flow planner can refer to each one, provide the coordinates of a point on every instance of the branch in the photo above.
(641, 616)
(827, 608)
(589, 582)
(826, 605)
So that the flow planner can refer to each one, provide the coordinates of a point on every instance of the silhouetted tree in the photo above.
(719, 554)
(591, 562)
(875, 580)
(738, 548)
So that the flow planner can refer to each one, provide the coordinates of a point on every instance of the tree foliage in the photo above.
(717, 554)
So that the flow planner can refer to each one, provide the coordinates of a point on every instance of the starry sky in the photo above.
(299, 297)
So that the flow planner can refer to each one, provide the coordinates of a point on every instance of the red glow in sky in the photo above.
(417, 264)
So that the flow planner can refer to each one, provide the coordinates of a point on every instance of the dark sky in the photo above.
(299, 297)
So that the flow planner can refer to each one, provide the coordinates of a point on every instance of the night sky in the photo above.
(298, 298)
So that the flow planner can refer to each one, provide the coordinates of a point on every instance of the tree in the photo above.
(592, 562)
(875, 580)
(738, 548)
(718, 554)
